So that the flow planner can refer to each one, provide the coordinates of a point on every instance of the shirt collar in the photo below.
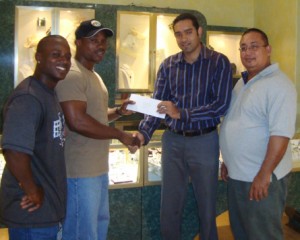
(270, 69)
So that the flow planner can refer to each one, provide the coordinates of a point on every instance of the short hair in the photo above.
(44, 41)
(185, 16)
(262, 33)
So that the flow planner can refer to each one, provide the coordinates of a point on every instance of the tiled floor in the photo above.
(224, 230)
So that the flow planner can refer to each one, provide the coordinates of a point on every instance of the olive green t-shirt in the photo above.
(85, 157)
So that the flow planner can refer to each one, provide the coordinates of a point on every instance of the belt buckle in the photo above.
(188, 134)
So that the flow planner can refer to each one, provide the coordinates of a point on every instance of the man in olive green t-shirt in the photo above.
(84, 100)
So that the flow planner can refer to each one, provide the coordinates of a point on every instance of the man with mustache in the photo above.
(254, 140)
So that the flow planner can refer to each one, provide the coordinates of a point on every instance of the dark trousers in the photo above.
(252, 220)
(183, 157)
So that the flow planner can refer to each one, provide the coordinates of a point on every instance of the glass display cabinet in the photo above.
(134, 170)
(152, 160)
(227, 43)
(124, 167)
(34, 23)
(144, 40)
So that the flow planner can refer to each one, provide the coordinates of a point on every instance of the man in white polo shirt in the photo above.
(254, 140)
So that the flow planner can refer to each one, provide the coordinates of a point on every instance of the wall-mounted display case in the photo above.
(227, 43)
(34, 23)
(144, 40)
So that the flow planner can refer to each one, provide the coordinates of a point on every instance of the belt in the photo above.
(192, 133)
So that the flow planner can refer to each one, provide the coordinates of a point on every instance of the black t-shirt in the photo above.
(34, 124)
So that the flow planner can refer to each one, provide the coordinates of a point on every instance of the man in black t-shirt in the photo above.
(33, 186)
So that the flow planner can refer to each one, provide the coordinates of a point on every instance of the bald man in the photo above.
(33, 186)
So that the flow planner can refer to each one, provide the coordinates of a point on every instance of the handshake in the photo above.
(132, 141)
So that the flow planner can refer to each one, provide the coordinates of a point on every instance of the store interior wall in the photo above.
(235, 13)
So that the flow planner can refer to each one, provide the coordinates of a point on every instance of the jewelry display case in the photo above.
(144, 40)
(34, 23)
(124, 167)
(134, 170)
(152, 158)
(227, 43)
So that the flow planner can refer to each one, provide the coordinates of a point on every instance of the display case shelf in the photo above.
(134, 170)
(124, 167)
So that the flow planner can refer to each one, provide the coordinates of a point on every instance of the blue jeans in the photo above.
(87, 209)
(252, 220)
(196, 158)
(44, 233)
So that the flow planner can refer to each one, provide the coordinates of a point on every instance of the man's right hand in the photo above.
(19, 164)
(130, 140)
(224, 172)
(134, 148)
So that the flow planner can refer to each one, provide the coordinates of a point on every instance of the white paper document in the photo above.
(145, 105)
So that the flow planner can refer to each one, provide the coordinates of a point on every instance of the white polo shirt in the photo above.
(263, 107)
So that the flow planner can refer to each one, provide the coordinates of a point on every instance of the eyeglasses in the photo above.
(251, 48)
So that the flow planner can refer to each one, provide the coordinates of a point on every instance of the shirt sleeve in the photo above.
(71, 88)
(21, 121)
(282, 110)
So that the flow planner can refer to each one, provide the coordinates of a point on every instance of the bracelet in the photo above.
(119, 112)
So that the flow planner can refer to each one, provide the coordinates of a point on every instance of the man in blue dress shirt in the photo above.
(194, 87)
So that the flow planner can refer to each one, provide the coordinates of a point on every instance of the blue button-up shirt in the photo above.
(201, 91)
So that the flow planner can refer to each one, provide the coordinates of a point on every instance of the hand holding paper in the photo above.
(145, 105)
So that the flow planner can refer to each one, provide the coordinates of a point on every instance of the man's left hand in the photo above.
(259, 187)
(123, 108)
(167, 107)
